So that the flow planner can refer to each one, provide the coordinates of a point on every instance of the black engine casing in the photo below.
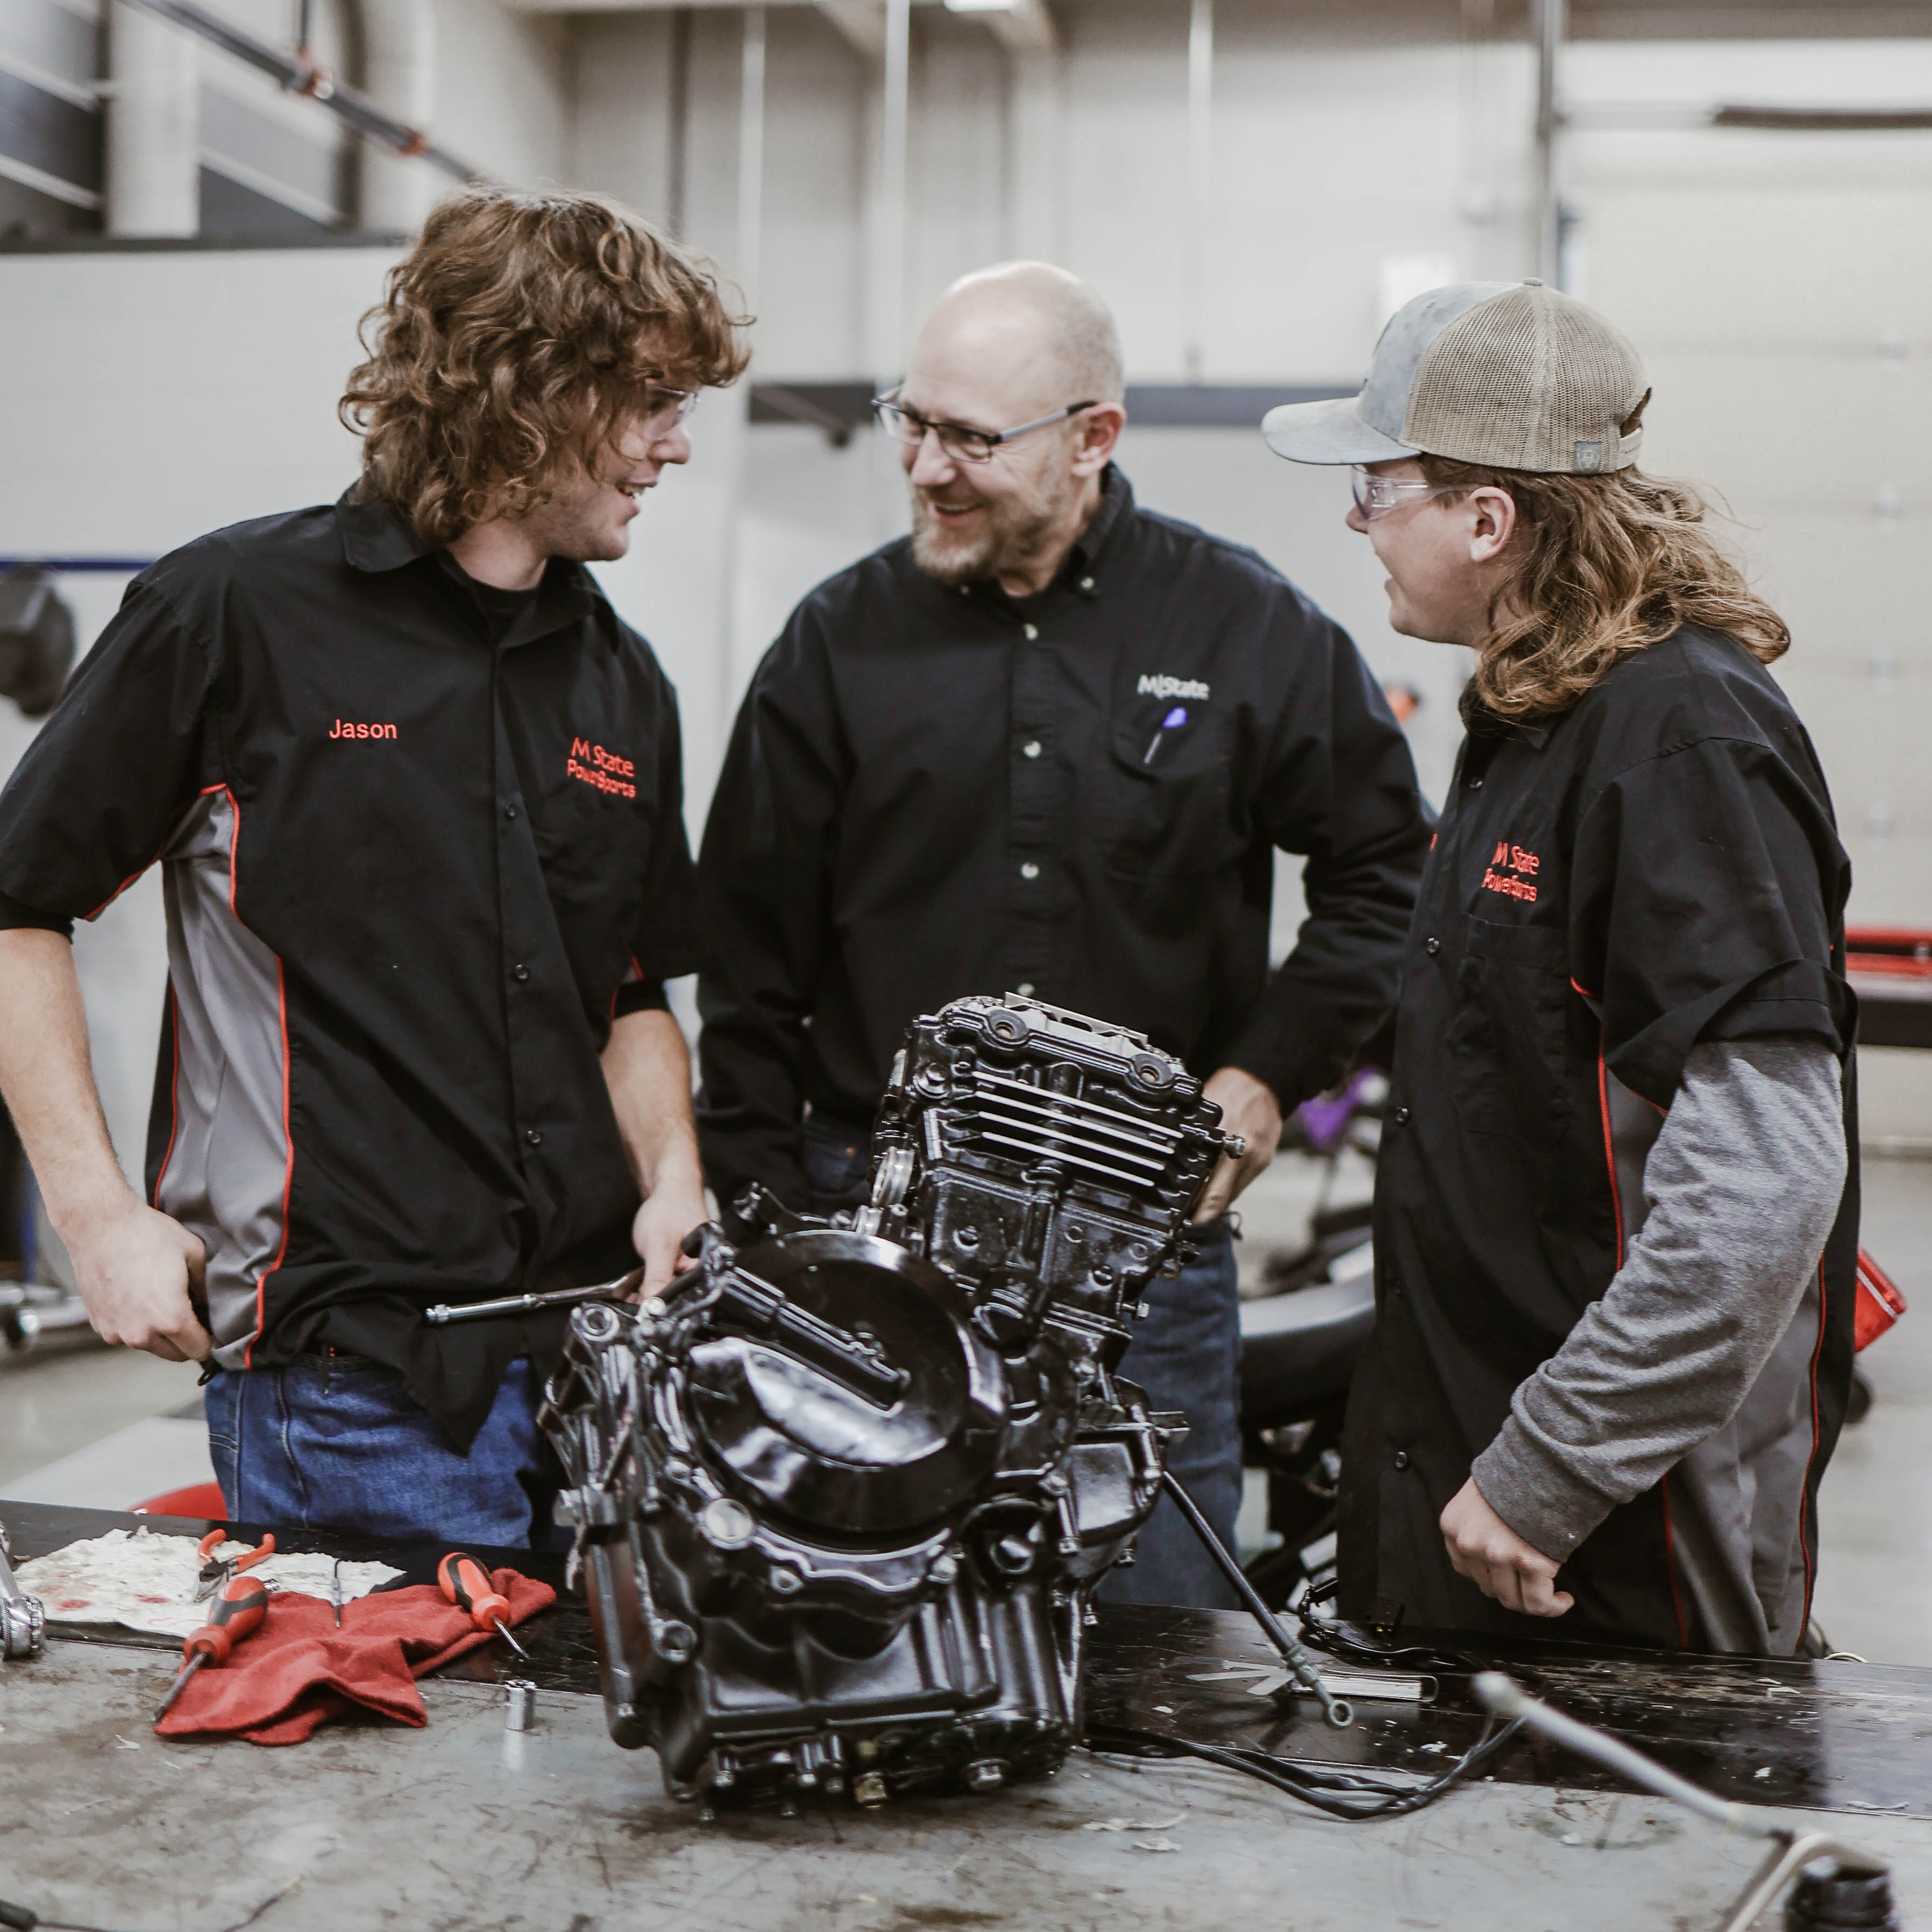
(842, 1495)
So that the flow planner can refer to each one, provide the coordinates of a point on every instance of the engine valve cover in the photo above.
(843, 1494)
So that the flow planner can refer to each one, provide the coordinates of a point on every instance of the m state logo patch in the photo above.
(606, 771)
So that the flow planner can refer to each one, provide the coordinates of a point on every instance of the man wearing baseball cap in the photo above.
(1616, 1218)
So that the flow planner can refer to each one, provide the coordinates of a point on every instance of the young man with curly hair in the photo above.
(416, 792)
(1616, 1216)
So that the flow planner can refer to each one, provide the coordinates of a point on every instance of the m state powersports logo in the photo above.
(592, 765)
(1152, 686)
(1505, 860)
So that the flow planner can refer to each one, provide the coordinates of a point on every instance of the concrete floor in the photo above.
(67, 1433)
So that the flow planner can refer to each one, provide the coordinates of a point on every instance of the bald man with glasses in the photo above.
(1049, 744)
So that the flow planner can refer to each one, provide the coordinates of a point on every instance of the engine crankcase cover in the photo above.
(843, 1454)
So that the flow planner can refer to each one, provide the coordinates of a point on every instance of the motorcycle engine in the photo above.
(842, 1494)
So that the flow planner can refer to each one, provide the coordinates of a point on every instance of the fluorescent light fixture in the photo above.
(983, 6)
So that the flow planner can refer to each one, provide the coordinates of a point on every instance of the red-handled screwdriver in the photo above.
(237, 1611)
(467, 1584)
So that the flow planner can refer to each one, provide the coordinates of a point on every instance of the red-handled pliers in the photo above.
(215, 1572)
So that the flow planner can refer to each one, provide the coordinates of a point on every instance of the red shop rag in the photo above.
(298, 1671)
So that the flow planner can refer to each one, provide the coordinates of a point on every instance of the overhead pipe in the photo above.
(299, 73)
(1551, 26)
(399, 77)
(1200, 179)
(889, 348)
(153, 173)
(750, 150)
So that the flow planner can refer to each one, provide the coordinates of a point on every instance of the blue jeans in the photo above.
(340, 1443)
(1186, 1354)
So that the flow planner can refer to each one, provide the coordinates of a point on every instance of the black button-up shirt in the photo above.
(932, 791)
(421, 846)
(1657, 866)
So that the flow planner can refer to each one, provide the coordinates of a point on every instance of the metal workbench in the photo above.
(463, 1824)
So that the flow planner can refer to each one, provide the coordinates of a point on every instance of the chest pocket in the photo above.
(1170, 819)
(1508, 1034)
(594, 818)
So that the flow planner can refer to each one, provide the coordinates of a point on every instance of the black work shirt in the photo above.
(932, 791)
(420, 848)
(1655, 867)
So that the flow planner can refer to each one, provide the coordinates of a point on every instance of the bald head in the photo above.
(1027, 354)
(1033, 330)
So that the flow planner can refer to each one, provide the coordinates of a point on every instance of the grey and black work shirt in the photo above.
(933, 791)
(420, 847)
(1655, 869)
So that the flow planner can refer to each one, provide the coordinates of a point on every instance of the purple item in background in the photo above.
(1324, 1119)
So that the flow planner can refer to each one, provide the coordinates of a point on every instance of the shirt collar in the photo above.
(376, 538)
(1077, 572)
(1479, 721)
(1116, 499)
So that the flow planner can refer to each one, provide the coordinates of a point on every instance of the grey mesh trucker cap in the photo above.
(1511, 375)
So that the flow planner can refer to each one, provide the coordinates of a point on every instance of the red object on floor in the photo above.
(1880, 1303)
(298, 1671)
(201, 1499)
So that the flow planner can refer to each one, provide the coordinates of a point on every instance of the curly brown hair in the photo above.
(1602, 566)
(520, 331)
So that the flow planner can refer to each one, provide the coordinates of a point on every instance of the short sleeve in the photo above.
(1708, 886)
(89, 806)
(664, 946)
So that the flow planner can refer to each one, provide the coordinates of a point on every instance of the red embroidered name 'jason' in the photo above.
(592, 765)
(343, 729)
(1508, 859)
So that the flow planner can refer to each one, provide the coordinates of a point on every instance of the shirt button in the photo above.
(509, 812)
(1031, 748)
(1432, 945)
(1402, 1459)
(520, 974)
(1024, 989)
(1475, 785)
(534, 1135)
(1032, 632)
(1029, 871)
(1086, 583)
(1402, 1117)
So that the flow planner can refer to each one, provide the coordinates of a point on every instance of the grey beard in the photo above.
(1012, 535)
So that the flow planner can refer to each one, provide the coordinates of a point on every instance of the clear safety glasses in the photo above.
(1377, 496)
(663, 408)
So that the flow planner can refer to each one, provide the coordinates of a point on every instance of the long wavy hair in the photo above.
(520, 331)
(1601, 566)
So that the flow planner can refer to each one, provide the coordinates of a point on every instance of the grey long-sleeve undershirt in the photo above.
(1742, 1186)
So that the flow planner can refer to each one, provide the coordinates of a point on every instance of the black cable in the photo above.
(24, 1919)
(1335, 1639)
(1351, 1795)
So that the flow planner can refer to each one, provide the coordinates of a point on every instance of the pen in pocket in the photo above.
(1172, 721)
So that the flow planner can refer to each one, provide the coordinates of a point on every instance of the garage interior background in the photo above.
(1253, 184)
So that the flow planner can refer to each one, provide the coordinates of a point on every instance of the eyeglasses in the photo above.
(963, 445)
(663, 407)
(1377, 496)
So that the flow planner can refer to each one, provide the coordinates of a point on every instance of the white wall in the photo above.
(159, 395)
